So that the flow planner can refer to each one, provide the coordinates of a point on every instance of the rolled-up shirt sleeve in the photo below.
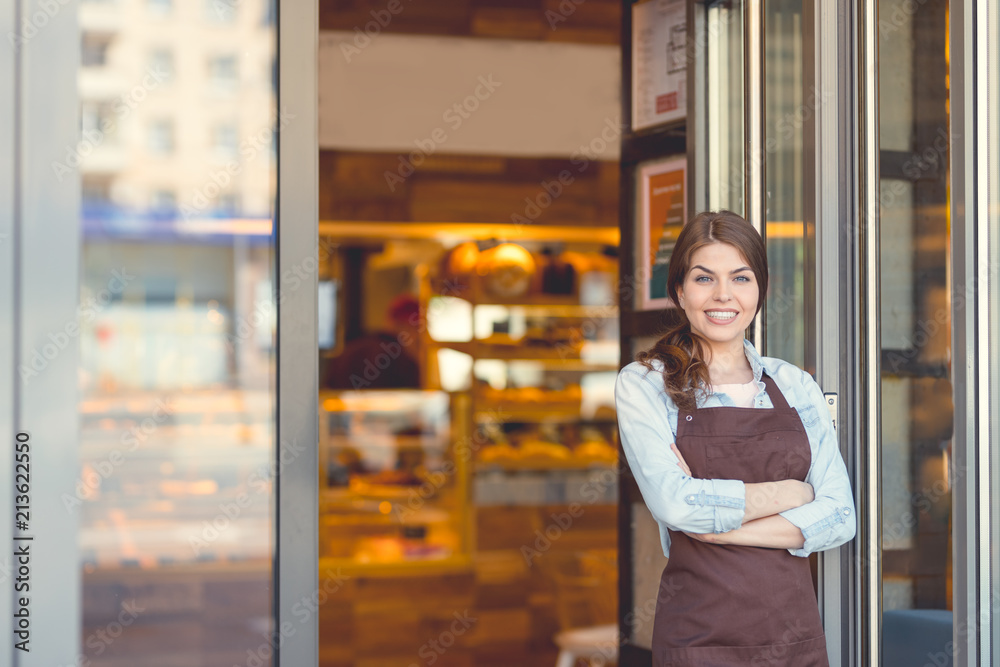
(680, 502)
(830, 519)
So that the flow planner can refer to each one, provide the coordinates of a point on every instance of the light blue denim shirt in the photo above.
(647, 421)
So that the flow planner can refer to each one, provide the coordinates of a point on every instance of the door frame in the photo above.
(975, 175)
(296, 242)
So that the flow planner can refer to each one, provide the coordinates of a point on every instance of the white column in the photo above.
(46, 248)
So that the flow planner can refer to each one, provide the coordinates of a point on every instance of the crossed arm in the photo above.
(762, 527)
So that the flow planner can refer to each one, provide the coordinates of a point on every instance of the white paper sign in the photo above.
(659, 62)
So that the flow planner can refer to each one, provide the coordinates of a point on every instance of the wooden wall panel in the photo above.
(589, 22)
(458, 188)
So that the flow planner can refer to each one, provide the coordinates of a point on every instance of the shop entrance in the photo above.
(468, 318)
(834, 130)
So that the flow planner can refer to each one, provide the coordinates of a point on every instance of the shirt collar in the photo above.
(756, 362)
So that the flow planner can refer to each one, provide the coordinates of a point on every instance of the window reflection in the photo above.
(917, 410)
(725, 106)
(789, 111)
(176, 333)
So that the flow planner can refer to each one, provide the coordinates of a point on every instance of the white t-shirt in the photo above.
(742, 394)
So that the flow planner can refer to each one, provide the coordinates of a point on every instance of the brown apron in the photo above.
(722, 605)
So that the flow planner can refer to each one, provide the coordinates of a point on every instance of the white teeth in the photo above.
(716, 315)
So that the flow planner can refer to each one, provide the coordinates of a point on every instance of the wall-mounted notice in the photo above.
(662, 211)
(659, 62)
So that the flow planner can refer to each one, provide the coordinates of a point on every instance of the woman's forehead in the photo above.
(720, 253)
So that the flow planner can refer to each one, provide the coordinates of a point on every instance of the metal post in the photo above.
(296, 563)
(753, 101)
(869, 469)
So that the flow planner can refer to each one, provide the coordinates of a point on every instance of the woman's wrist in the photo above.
(765, 499)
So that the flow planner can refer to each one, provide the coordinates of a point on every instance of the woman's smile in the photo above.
(719, 295)
(721, 316)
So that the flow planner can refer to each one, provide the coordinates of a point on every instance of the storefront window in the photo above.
(724, 106)
(469, 257)
(916, 399)
(177, 323)
(792, 105)
(468, 433)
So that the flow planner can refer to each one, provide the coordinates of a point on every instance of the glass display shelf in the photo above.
(539, 345)
(393, 492)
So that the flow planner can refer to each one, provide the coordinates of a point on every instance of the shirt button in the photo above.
(846, 511)
(688, 418)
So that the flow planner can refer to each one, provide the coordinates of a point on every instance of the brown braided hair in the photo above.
(682, 351)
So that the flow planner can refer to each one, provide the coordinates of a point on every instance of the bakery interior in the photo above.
(468, 337)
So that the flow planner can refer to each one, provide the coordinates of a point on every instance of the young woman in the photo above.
(737, 459)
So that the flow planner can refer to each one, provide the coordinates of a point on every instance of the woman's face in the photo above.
(719, 293)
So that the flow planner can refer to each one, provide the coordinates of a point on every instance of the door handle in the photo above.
(831, 405)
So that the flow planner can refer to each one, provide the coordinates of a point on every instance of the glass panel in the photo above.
(917, 410)
(176, 333)
(789, 249)
(724, 126)
(993, 234)
(648, 562)
(468, 437)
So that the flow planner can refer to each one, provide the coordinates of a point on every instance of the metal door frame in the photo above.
(296, 229)
(39, 291)
(975, 195)
(974, 31)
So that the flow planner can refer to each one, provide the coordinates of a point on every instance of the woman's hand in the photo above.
(762, 499)
(769, 498)
(680, 460)
(709, 538)
(773, 532)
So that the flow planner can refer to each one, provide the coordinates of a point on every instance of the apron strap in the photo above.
(777, 398)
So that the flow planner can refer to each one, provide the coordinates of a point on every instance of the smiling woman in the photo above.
(720, 301)
(742, 474)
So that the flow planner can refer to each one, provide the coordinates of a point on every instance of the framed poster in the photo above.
(662, 209)
(659, 62)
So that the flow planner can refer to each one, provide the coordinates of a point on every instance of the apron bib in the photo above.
(721, 605)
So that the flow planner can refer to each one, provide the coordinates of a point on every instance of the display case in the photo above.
(393, 485)
(536, 335)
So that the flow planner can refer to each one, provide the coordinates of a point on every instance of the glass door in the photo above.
(927, 187)
(152, 260)
(907, 392)
(915, 378)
